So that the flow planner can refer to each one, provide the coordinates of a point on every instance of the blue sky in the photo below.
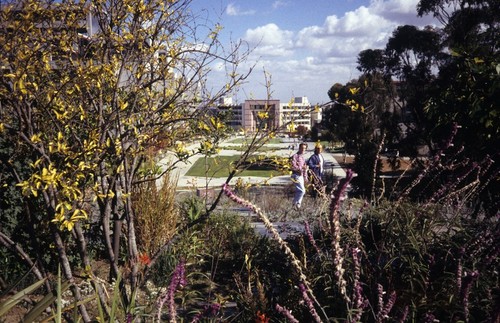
(306, 46)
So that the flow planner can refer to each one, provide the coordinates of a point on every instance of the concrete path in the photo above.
(191, 182)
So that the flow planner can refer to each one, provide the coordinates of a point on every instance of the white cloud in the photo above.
(363, 22)
(346, 36)
(400, 12)
(233, 10)
(279, 3)
(270, 40)
(309, 61)
(395, 6)
(309, 76)
(314, 58)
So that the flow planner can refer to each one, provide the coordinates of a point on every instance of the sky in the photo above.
(305, 46)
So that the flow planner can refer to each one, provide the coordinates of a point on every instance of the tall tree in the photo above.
(447, 77)
(361, 117)
(371, 61)
(85, 90)
(468, 85)
(412, 56)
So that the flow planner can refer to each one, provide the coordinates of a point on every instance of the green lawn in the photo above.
(243, 140)
(219, 167)
(243, 148)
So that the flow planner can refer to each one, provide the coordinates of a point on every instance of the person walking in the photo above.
(316, 164)
(299, 175)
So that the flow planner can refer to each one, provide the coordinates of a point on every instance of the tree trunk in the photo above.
(82, 244)
(66, 268)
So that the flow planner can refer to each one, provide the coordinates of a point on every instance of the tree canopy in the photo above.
(433, 79)
(87, 90)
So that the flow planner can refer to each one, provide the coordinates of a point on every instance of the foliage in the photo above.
(9, 303)
(466, 93)
(21, 232)
(87, 91)
(390, 261)
(397, 261)
(84, 113)
(429, 80)
(213, 253)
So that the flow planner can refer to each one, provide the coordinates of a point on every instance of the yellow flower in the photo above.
(180, 148)
(263, 115)
(207, 145)
(217, 123)
(203, 126)
(354, 90)
(35, 138)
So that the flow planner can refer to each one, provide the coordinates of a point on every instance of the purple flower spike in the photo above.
(286, 313)
(178, 280)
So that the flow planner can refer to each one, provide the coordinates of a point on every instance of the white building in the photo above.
(298, 111)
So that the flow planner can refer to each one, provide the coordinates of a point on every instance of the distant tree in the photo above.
(371, 61)
(360, 118)
(316, 133)
(301, 130)
(381, 91)
(338, 120)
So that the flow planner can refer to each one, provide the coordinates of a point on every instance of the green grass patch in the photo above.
(244, 148)
(220, 166)
(245, 140)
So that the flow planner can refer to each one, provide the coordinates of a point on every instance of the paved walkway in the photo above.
(186, 183)
(282, 149)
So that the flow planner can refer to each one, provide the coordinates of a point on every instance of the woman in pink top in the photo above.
(299, 171)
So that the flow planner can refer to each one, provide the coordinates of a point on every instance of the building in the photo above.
(260, 115)
(231, 113)
(263, 114)
(316, 116)
(297, 112)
